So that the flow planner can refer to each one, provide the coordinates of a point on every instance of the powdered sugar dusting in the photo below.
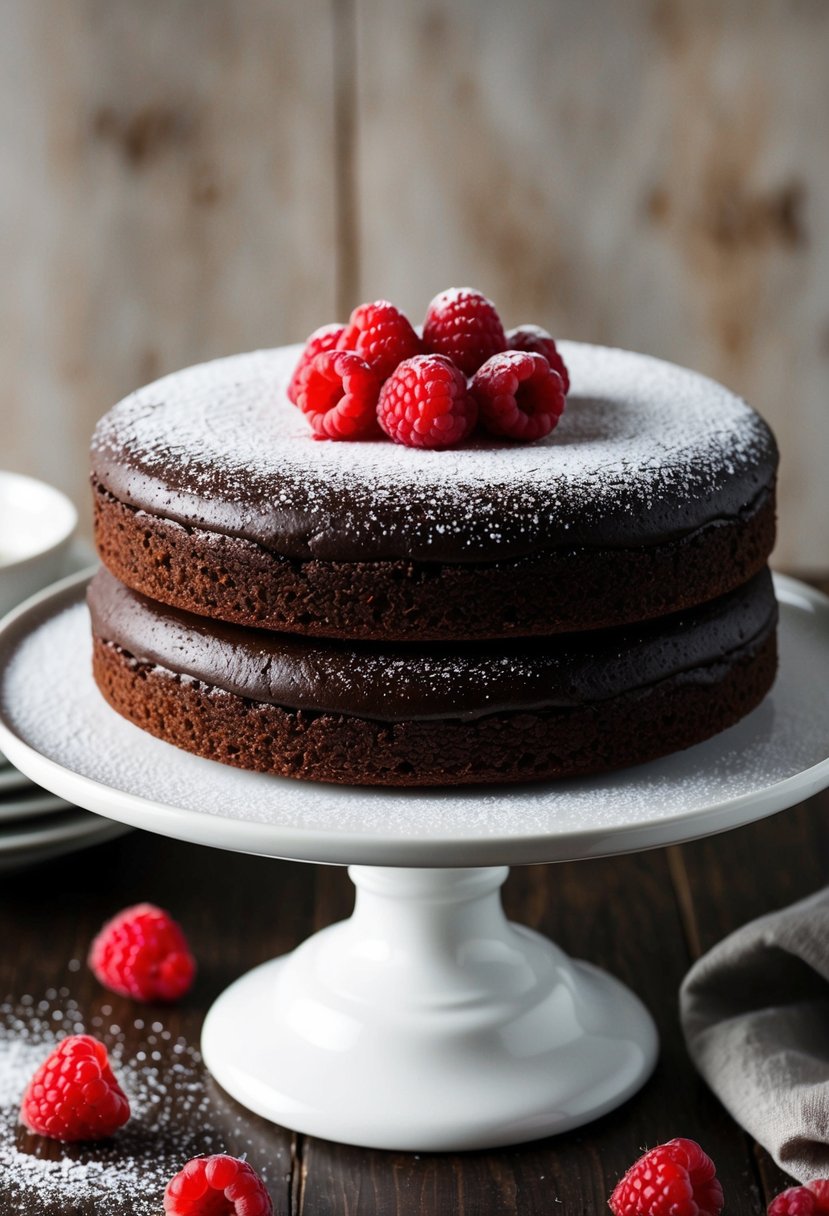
(221, 446)
(65, 718)
(176, 1113)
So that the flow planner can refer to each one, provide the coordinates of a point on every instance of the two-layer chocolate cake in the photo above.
(373, 613)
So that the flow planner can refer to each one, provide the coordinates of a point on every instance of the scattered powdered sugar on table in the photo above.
(220, 445)
(48, 698)
(171, 1120)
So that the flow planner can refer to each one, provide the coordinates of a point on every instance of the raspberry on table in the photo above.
(820, 1189)
(536, 340)
(143, 953)
(809, 1200)
(74, 1094)
(796, 1201)
(425, 403)
(217, 1186)
(673, 1179)
(339, 396)
(464, 325)
(519, 395)
(381, 335)
(322, 339)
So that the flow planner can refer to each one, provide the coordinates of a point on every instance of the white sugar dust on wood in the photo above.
(176, 1113)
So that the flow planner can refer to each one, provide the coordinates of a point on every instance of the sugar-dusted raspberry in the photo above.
(74, 1094)
(536, 340)
(322, 339)
(820, 1189)
(674, 1179)
(143, 953)
(519, 395)
(217, 1186)
(382, 335)
(796, 1201)
(463, 324)
(809, 1200)
(426, 404)
(339, 396)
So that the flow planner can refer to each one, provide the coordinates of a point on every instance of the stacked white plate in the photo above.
(37, 826)
(37, 547)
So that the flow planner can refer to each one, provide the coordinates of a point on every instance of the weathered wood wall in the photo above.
(180, 180)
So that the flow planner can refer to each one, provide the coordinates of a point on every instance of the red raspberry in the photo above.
(519, 395)
(217, 1186)
(463, 325)
(426, 404)
(809, 1200)
(339, 396)
(322, 339)
(536, 340)
(381, 335)
(74, 1094)
(796, 1201)
(820, 1189)
(674, 1179)
(143, 953)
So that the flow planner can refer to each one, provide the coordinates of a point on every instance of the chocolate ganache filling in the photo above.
(404, 682)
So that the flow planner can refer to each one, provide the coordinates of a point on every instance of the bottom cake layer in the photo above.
(616, 728)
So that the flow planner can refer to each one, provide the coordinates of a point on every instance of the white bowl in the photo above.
(36, 526)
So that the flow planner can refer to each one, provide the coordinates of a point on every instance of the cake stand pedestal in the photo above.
(426, 1021)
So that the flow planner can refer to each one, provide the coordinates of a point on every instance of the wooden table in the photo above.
(645, 918)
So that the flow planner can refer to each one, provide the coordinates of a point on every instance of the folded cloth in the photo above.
(755, 1012)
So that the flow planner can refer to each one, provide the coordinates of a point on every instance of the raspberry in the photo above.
(380, 334)
(463, 325)
(674, 1179)
(519, 395)
(796, 1201)
(143, 953)
(339, 396)
(426, 404)
(74, 1094)
(820, 1189)
(324, 338)
(536, 340)
(809, 1200)
(217, 1186)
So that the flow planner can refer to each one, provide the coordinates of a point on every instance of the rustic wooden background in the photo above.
(184, 179)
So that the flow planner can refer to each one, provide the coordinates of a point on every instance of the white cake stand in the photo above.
(426, 1021)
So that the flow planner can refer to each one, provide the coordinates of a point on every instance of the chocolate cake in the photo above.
(370, 613)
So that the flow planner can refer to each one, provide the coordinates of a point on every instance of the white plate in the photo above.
(46, 849)
(65, 736)
(34, 803)
(71, 825)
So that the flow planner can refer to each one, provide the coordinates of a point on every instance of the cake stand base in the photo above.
(427, 1021)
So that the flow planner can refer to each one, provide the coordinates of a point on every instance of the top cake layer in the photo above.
(646, 453)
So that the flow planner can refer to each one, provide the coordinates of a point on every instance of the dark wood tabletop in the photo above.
(644, 917)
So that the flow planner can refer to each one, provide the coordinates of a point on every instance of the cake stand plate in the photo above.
(426, 1021)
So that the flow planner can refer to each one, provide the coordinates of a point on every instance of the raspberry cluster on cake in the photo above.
(477, 610)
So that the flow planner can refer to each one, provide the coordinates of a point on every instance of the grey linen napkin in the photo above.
(755, 1011)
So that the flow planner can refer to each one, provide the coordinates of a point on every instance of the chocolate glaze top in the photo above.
(646, 452)
(398, 683)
